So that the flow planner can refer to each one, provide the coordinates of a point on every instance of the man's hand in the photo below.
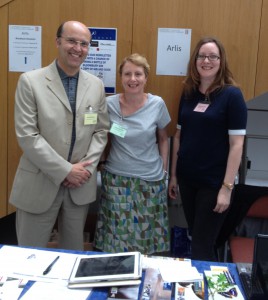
(78, 175)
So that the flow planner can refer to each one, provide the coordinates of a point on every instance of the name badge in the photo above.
(201, 107)
(118, 130)
(90, 117)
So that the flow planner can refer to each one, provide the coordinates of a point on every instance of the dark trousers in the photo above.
(204, 224)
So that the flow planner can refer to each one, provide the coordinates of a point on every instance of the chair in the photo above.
(242, 247)
(8, 230)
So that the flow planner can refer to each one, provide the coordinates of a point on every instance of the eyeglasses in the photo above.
(73, 42)
(211, 57)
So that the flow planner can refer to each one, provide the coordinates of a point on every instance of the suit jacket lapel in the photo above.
(83, 85)
(56, 86)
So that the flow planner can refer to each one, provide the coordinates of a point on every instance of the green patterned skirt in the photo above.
(133, 215)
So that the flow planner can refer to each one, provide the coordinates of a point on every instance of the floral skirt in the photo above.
(133, 215)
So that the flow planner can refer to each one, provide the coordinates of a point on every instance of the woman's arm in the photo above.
(233, 163)
(172, 188)
(163, 146)
(234, 157)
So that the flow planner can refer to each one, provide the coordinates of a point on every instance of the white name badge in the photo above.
(118, 130)
(201, 107)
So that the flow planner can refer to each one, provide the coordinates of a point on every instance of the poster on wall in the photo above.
(173, 51)
(101, 59)
(24, 48)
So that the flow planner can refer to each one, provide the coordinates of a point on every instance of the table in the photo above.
(101, 293)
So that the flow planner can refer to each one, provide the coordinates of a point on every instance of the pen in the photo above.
(228, 277)
(231, 277)
(48, 269)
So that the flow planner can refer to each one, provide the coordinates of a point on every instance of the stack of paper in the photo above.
(20, 264)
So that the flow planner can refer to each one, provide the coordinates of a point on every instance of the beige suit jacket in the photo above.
(43, 123)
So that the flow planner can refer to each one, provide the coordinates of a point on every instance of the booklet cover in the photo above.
(154, 287)
(222, 286)
(189, 290)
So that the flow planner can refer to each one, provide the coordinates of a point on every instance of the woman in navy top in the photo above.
(208, 145)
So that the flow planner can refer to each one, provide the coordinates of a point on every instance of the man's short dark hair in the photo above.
(60, 30)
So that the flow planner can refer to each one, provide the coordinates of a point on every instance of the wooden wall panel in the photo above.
(262, 65)
(235, 23)
(4, 2)
(49, 14)
(3, 112)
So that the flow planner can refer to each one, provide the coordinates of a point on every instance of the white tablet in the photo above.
(106, 267)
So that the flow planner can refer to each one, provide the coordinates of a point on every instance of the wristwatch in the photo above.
(229, 186)
(166, 175)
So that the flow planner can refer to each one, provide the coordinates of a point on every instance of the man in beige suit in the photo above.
(61, 123)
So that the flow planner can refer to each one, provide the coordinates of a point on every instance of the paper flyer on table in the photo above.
(51, 291)
(150, 261)
(174, 271)
(10, 288)
(30, 264)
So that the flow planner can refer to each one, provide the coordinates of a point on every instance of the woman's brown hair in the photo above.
(223, 77)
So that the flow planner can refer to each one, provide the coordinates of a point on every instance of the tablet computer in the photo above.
(101, 268)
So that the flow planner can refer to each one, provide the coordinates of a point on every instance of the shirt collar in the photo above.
(63, 75)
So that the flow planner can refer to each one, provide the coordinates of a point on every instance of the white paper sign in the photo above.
(24, 48)
(173, 51)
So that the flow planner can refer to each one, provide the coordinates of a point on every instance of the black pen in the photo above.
(47, 270)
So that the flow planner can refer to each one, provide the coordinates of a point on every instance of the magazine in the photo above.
(188, 290)
(222, 286)
(154, 287)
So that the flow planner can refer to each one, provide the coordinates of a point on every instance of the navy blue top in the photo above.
(204, 139)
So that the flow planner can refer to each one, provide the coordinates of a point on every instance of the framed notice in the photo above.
(24, 48)
(173, 51)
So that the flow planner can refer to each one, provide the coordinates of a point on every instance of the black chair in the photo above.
(8, 234)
